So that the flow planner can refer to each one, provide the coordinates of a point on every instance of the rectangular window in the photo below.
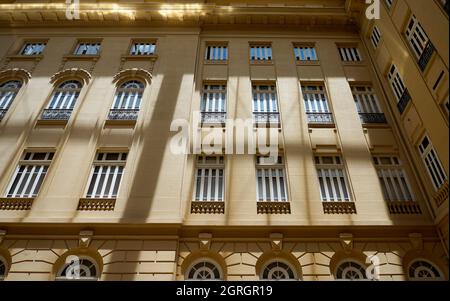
(367, 104)
(388, 3)
(270, 179)
(216, 53)
(416, 37)
(213, 103)
(32, 48)
(375, 37)
(209, 178)
(397, 85)
(86, 48)
(29, 175)
(305, 53)
(332, 179)
(260, 53)
(106, 175)
(392, 178)
(349, 54)
(265, 107)
(143, 48)
(432, 163)
(316, 104)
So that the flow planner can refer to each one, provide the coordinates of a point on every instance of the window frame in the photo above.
(335, 167)
(375, 36)
(436, 267)
(58, 276)
(216, 44)
(5, 107)
(204, 165)
(300, 45)
(206, 260)
(26, 42)
(350, 260)
(77, 44)
(279, 260)
(271, 166)
(424, 154)
(353, 53)
(142, 41)
(265, 60)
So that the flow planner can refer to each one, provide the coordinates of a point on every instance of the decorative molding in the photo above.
(346, 240)
(339, 207)
(273, 207)
(16, 203)
(403, 207)
(133, 72)
(208, 207)
(416, 241)
(442, 195)
(89, 204)
(276, 241)
(204, 241)
(72, 72)
(85, 238)
(23, 74)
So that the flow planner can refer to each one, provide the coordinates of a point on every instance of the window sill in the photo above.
(81, 57)
(442, 195)
(404, 207)
(150, 57)
(120, 123)
(322, 125)
(215, 62)
(15, 203)
(96, 204)
(25, 57)
(269, 207)
(307, 63)
(208, 207)
(375, 125)
(356, 63)
(343, 207)
(52, 122)
(257, 63)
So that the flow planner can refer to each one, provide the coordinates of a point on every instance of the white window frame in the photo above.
(65, 95)
(272, 174)
(396, 82)
(432, 163)
(356, 270)
(87, 48)
(350, 54)
(200, 261)
(142, 48)
(214, 98)
(8, 92)
(103, 164)
(326, 182)
(366, 100)
(37, 48)
(32, 176)
(282, 261)
(264, 98)
(216, 52)
(389, 3)
(393, 179)
(416, 36)
(375, 36)
(127, 98)
(423, 267)
(315, 98)
(59, 277)
(305, 53)
(207, 180)
(260, 53)
(5, 265)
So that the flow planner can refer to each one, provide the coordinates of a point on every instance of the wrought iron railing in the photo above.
(266, 117)
(2, 113)
(56, 114)
(426, 55)
(213, 117)
(320, 118)
(404, 101)
(367, 118)
(123, 114)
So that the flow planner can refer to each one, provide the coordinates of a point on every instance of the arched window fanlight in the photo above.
(204, 270)
(2, 268)
(278, 270)
(127, 101)
(62, 101)
(8, 91)
(351, 270)
(423, 270)
(83, 268)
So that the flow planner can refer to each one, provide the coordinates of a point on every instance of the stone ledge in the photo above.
(339, 207)
(404, 207)
(273, 207)
(442, 195)
(94, 204)
(16, 203)
(205, 207)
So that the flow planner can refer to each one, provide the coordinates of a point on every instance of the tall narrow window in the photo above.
(399, 88)
(127, 101)
(392, 178)
(375, 37)
(216, 53)
(8, 91)
(316, 104)
(270, 179)
(213, 104)
(332, 179)
(106, 175)
(305, 53)
(260, 53)
(432, 163)
(265, 107)
(62, 101)
(29, 175)
(367, 105)
(143, 48)
(388, 3)
(419, 42)
(32, 48)
(86, 48)
(209, 179)
(349, 54)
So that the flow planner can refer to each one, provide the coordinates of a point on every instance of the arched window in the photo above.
(278, 270)
(79, 268)
(424, 270)
(8, 91)
(351, 270)
(62, 101)
(127, 101)
(2, 268)
(204, 270)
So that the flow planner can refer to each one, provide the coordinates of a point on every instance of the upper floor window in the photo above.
(349, 54)
(446, 5)
(87, 48)
(29, 175)
(80, 268)
(271, 181)
(32, 48)
(216, 52)
(260, 53)
(305, 53)
(367, 104)
(375, 37)
(388, 3)
(127, 101)
(432, 163)
(8, 91)
(2, 268)
(392, 178)
(422, 270)
(106, 175)
(213, 103)
(351, 270)
(398, 87)
(316, 104)
(278, 270)
(419, 42)
(209, 178)
(332, 179)
(204, 270)
(62, 101)
(265, 107)
(143, 48)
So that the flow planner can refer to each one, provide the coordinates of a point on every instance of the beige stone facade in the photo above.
(153, 227)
